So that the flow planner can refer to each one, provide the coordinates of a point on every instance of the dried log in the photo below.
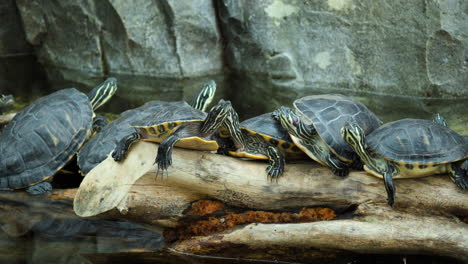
(401, 234)
(422, 221)
(6, 118)
(244, 183)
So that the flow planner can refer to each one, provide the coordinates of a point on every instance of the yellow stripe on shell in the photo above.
(247, 155)
(197, 143)
(279, 143)
(415, 172)
(158, 132)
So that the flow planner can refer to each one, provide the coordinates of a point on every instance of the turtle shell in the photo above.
(266, 125)
(151, 114)
(169, 118)
(329, 112)
(271, 131)
(98, 148)
(43, 137)
(417, 141)
(166, 112)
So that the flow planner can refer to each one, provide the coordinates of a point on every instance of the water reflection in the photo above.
(36, 229)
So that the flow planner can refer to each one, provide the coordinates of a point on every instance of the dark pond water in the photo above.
(40, 230)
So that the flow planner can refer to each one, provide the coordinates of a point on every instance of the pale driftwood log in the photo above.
(422, 221)
(400, 234)
(155, 204)
(244, 183)
(6, 118)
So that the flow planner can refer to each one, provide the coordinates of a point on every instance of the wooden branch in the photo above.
(6, 118)
(244, 183)
(422, 220)
(407, 235)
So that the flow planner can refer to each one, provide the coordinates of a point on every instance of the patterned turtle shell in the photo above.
(169, 116)
(271, 131)
(329, 112)
(417, 141)
(43, 137)
(98, 148)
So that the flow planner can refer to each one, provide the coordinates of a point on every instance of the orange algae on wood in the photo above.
(227, 222)
(205, 207)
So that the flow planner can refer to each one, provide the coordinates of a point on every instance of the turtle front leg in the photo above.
(40, 188)
(319, 151)
(459, 173)
(164, 156)
(277, 161)
(122, 147)
(356, 163)
(389, 187)
(99, 122)
(337, 166)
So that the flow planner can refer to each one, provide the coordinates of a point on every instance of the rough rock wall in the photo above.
(274, 50)
(284, 49)
(18, 67)
(169, 38)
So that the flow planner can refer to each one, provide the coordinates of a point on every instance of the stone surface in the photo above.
(17, 58)
(283, 49)
(401, 58)
(152, 38)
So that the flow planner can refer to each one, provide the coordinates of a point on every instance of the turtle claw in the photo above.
(118, 153)
(163, 165)
(391, 200)
(459, 174)
(164, 160)
(342, 172)
(273, 174)
(122, 147)
(462, 182)
(40, 188)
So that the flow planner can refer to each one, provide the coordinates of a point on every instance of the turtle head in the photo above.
(205, 96)
(102, 93)
(439, 119)
(353, 134)
(216, 117)
(233, 126)
(290, 121)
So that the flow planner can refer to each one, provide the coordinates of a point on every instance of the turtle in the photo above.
(45, 135)
(315, 126)
(176, 124)
(98, 148)
(262, 138)
(409, 148)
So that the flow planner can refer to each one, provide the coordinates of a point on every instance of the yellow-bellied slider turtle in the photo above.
(263, 138)
(176, 124)
(44, 136)
(98, 148)
(315, 128)
(410, 148)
